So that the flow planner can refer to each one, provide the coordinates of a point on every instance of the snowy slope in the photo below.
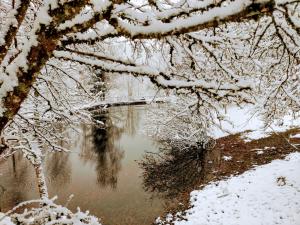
(267, 195)
(242, 119)
(5, 221)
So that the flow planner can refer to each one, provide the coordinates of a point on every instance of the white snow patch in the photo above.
(6, 220)
(242, 119)
(255, 197)
(295, 136)
(260, 152)
(227, 158)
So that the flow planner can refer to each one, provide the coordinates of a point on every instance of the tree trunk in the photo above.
(41, 181)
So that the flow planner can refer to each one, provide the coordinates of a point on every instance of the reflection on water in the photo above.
(58, 169)
(101, 172)
(179, 167)
(107, 155)
(16, 183)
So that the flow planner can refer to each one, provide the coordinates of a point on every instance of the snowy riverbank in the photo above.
(268, 195)
(244, 119)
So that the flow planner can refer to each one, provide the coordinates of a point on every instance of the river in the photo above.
(101, 172)
(103, 175)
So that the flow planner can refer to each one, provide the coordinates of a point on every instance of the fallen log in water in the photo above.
(105, 105)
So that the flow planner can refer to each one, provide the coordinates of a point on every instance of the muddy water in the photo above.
(101, 172)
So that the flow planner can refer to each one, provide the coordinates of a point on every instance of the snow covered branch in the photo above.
(50, 213)
(160, 78)
(234, 11)
(213, 49)
(14, 20)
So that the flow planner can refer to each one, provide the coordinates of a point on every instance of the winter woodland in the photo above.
(58, 57)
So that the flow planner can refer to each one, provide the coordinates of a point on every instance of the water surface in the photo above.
(101, 172)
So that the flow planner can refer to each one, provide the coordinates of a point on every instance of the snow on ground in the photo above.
(227, 158)
(5, 220)
(266, 195)
(242, 119)
(295, 136)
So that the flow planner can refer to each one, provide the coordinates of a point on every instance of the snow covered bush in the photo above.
(48, 213)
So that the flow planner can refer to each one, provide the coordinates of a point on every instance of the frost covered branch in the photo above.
(49, 214)
(210, 49)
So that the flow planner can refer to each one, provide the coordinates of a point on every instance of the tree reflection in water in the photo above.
(179, 167)
(15, 181)
(58, 169)
(132, 119)
(108, 154)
